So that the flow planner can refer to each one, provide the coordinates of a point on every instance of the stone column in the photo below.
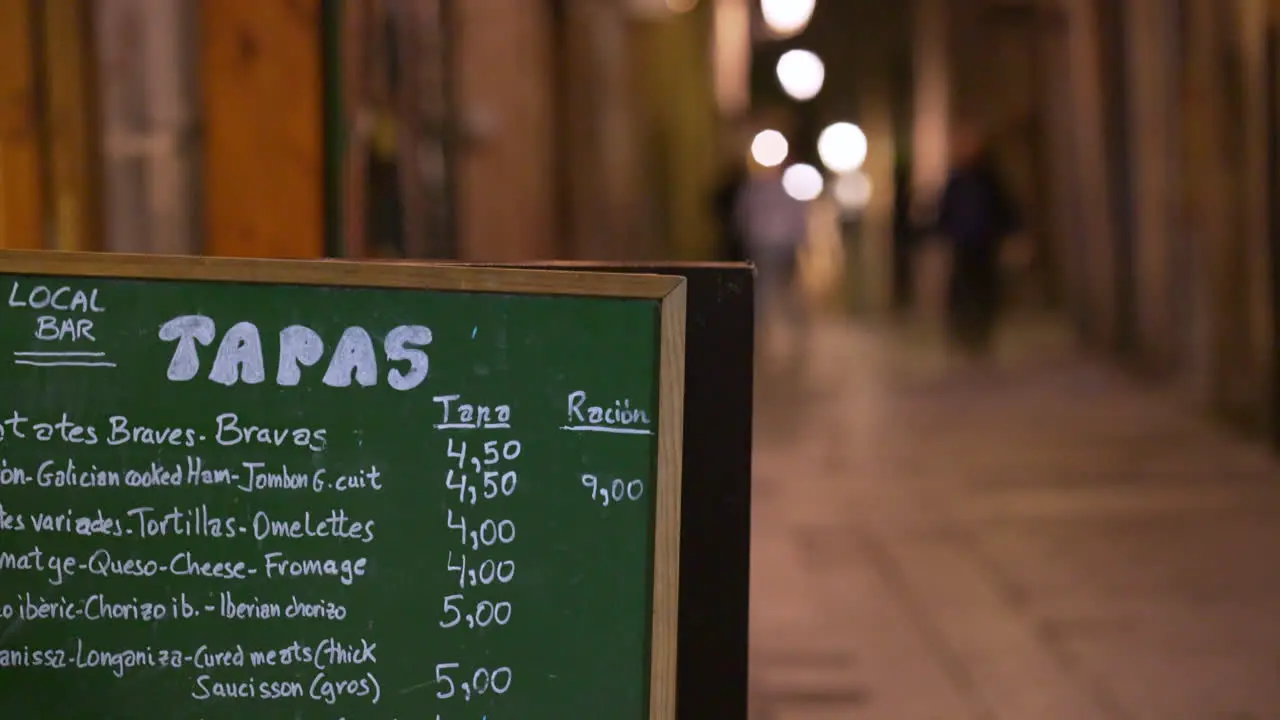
(675, 91)
(1062, 183)
(731, 56)
(1211, 215)
(506, 195)
(1252, 21)
(929, 133)
(877, 218)
(932, 98)
(1151, 107)
(1096, 242)
(599, 127)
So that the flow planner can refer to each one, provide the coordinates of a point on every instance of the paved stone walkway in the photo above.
(1042, 541)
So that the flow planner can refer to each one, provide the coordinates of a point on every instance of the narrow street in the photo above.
(1043, 541)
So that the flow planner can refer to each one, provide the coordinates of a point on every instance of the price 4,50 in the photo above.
(491, 453)
(491, 485)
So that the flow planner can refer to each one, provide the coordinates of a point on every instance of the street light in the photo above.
(801, 74)
(842, 147)
(786, 17)
(659, 10)
(802, 182)
(769, 148)
(852, 191)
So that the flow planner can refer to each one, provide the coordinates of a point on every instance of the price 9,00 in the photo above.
(616, 491)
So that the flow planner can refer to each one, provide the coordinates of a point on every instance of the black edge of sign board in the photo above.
(715, 537)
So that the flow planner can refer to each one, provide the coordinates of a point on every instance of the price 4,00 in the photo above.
(487, 534)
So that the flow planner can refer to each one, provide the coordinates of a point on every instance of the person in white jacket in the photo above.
(775, 227)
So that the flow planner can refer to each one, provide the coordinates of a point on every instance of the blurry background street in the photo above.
(1049, 540)
(1084, 524)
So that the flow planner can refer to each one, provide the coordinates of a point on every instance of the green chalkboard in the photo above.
(264, 489)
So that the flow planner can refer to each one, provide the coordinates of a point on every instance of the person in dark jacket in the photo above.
(975, 216)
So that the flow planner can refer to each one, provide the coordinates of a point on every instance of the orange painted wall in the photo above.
(21, 215)
(262, 94)
(72, 155)
(506, 174)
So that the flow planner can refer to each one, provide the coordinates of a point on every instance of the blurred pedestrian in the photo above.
(975, 217)
(775, 228)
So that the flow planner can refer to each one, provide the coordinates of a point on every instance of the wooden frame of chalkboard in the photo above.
(668, 291)
(715, 548)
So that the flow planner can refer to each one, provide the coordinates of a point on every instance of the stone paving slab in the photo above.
(1037, 541)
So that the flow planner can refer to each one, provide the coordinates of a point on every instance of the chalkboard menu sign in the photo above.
(267, 489)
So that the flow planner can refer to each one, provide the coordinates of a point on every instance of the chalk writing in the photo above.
(304, 510)
(239, 356)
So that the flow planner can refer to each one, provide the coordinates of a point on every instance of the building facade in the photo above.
(476, 129)
(1142, 136)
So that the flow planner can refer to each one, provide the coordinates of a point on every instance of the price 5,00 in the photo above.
(481, 615)
(482, 681)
